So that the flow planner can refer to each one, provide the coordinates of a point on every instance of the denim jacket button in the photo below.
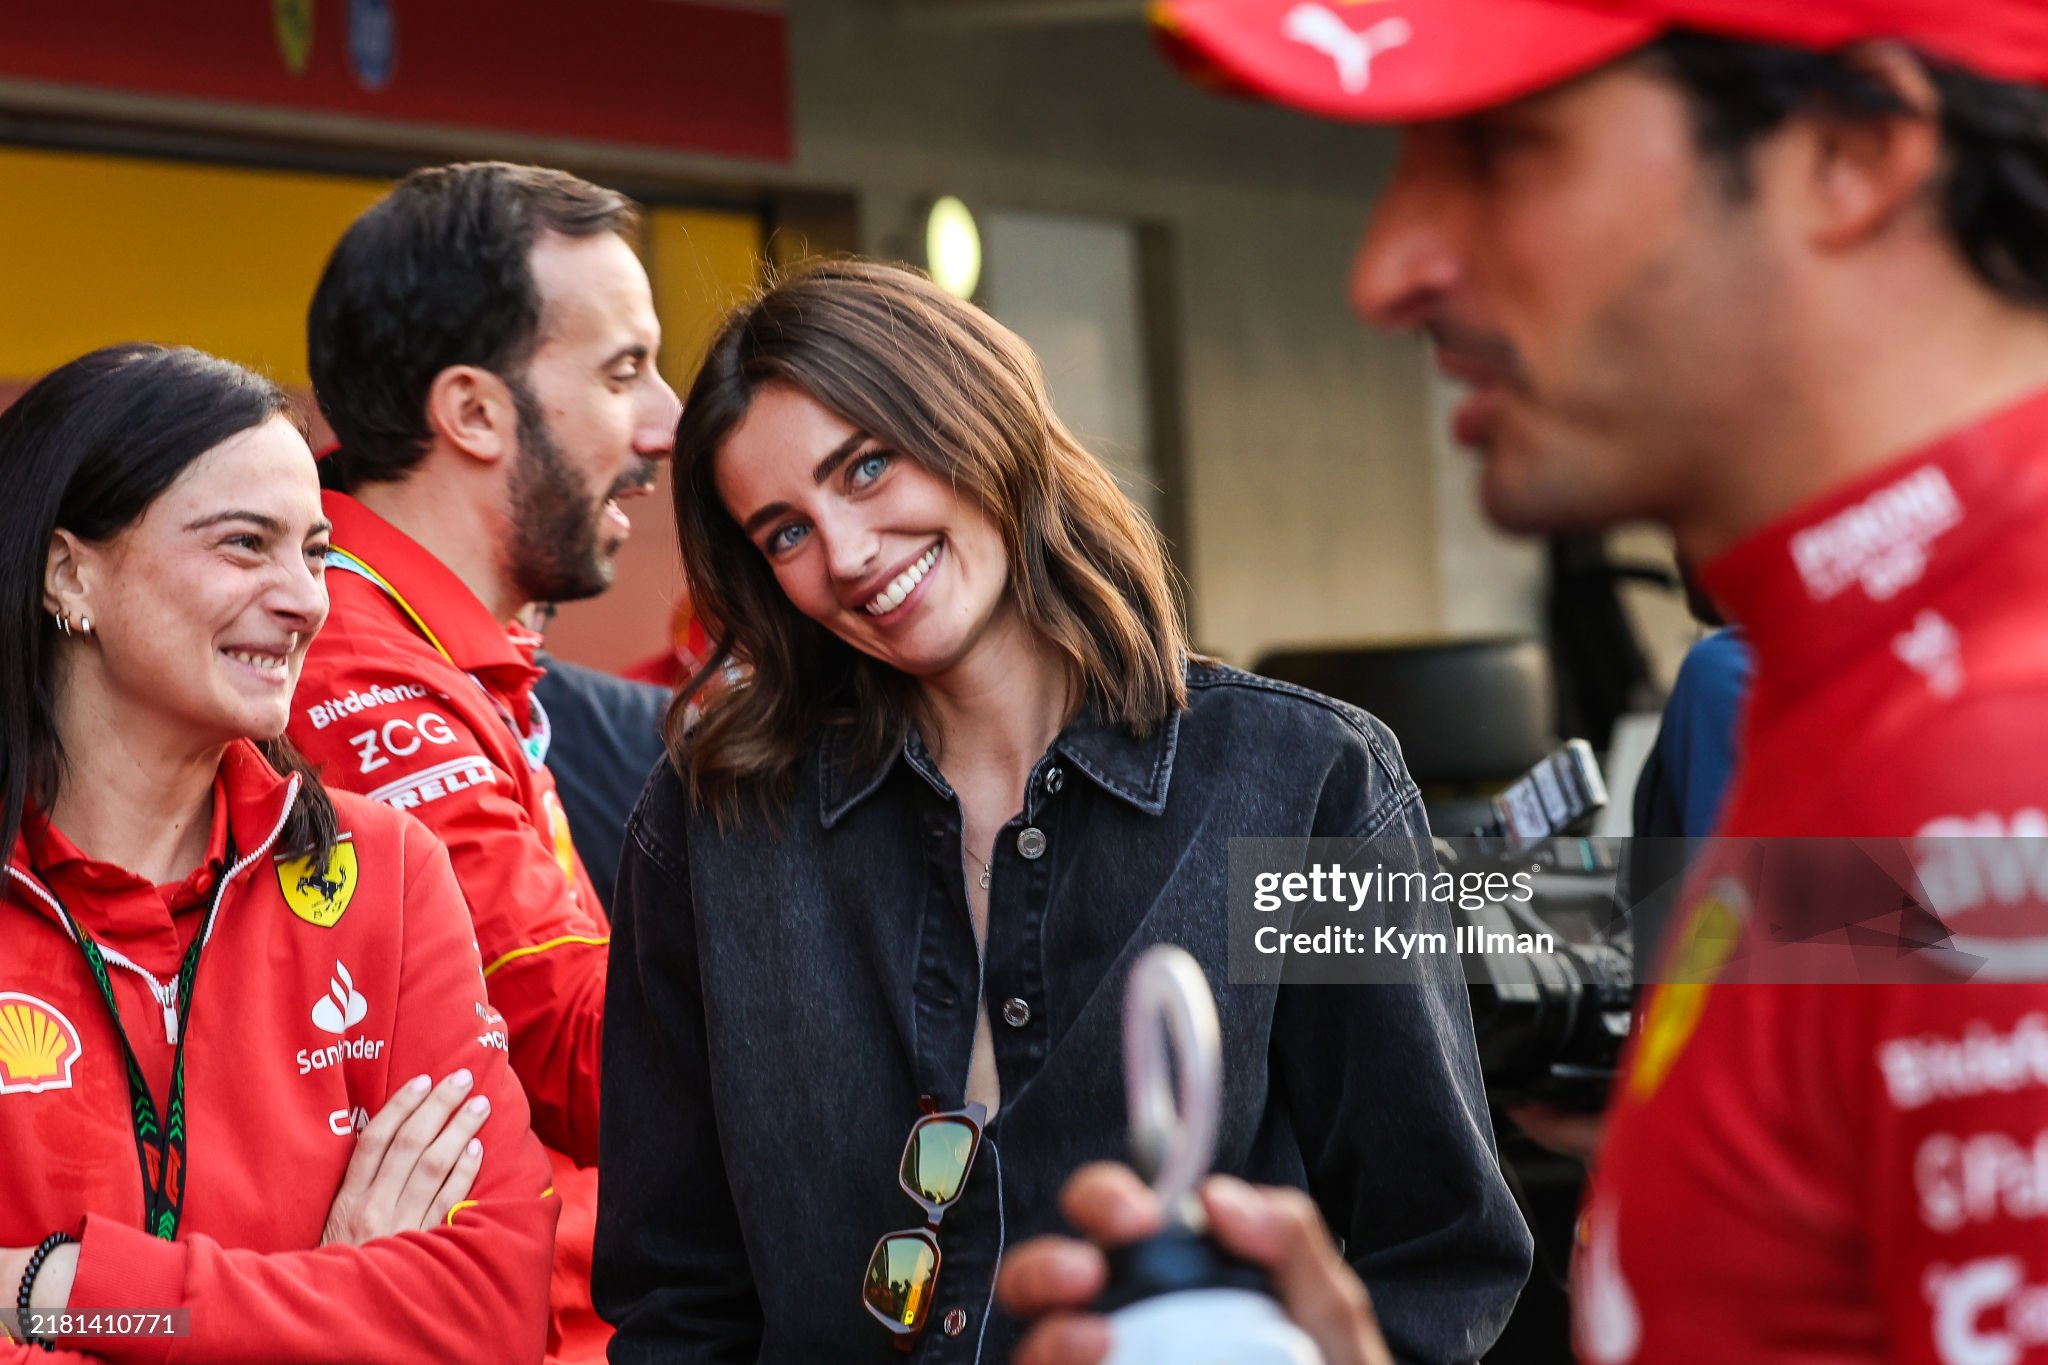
(1054, 780)
(1031, 842)
(956, 1321)
(1016, 1012)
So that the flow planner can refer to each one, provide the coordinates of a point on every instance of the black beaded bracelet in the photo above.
(28, 1282)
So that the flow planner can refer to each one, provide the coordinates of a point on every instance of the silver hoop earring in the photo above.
(63, 622)
(85, 625)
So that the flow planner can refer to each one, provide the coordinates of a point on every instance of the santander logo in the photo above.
(343, 1007)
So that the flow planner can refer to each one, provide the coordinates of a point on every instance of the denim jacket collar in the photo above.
(1136, 770)
(1133, 769)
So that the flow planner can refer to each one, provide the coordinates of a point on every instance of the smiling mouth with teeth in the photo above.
(268, 663)
(891, 597)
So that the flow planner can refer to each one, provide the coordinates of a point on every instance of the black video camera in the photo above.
(1550, 1019)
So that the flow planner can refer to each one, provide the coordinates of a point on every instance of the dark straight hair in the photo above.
(88, 448)
(1991, 196)
(436, 273)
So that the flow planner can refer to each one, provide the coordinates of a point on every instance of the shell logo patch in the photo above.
(38, 1045)
(320, 896)
(558, 830)
(1704, 945)
(293, 21)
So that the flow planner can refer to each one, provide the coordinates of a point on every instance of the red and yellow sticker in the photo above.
(320, 897)
(38, 1045)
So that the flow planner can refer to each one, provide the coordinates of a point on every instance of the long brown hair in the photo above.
(948, 387)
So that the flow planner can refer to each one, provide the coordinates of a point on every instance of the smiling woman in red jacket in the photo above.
(215, 973)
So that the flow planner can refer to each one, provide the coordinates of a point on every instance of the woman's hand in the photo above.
(52, 1293)
(1056, 1278)
(413, 1162)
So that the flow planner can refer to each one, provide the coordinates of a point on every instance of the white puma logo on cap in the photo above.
(1320, 27)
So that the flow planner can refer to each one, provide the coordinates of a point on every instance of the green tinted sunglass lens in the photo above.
(935, 1162)
(900, 1277)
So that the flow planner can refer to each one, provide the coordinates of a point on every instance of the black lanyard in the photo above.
(159, 1142)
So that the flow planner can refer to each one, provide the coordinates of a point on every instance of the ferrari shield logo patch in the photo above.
(320, 895)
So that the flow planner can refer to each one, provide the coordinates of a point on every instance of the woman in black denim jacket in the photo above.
(970, 777)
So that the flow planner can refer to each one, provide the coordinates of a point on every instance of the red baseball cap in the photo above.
(1406, 61)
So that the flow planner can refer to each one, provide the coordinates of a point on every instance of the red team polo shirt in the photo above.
(413, 695)
(1823, 1173)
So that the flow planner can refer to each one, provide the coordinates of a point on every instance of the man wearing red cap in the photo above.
(1773, 273)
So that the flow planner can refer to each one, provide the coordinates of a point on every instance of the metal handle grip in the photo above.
(1170, 1029)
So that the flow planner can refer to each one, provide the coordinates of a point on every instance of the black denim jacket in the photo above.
(777, 1006)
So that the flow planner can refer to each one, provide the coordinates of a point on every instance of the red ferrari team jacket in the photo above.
(319, 993)
(413, 695)
(1856, 1172)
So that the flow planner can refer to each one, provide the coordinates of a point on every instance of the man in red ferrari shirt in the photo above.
(483, 343)
(1773, 273)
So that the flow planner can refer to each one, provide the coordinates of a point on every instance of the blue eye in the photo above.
(783, 538)
(868, 468)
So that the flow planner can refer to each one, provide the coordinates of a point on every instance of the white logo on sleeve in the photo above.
(1985, 1060)
(1986, 876)
(431, 784)
(1934, 650)
(1981, 1178)
(1883, 542)
(325, 713)
(1985, 1312)
(1320, 27)
(343, 1007)
(348, 1122)
(400, 737)
(1967, 861)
